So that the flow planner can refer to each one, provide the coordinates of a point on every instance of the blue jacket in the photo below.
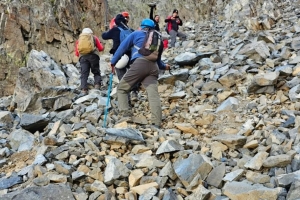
(134, 39)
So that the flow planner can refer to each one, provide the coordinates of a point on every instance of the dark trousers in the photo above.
(89, 63)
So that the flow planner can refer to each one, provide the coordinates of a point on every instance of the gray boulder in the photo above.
(21, 140)
(34, 123)
(6, 119)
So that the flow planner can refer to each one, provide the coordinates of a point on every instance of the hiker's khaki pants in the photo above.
(146, 72)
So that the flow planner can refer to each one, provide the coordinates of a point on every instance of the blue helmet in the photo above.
(147, 23)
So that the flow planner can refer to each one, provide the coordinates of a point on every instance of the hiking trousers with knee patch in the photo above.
(146, 72)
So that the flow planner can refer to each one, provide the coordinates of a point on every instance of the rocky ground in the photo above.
(230, 129)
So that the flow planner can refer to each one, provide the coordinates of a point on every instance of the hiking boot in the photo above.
(84, 92)
(125, 116)
(97, 87)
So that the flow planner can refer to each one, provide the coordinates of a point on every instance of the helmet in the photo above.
(125, 14)
(147, 23)
(87, 30)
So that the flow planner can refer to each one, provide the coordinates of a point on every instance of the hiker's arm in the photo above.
(76, 49)
(107, 35)
(179, 22)
(168, 19)
(151, 13)
(98, 44)
(161, 64)
(124, 46)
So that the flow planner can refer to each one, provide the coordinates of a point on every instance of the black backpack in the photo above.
(151, 46)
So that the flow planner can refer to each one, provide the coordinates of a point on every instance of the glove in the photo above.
(112, 68)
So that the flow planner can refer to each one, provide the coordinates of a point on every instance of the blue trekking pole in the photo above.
(108, 99)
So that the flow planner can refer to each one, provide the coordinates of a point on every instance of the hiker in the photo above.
(113, 23)
(87, 48)
(155, 18)
(114, 34)
(143, 70)
(173, 23)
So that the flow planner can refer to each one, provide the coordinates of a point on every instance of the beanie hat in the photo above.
(120, 19)
(175, 11)
(125, 14)
(87, 30)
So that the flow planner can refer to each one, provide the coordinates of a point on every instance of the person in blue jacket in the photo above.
(141, 70)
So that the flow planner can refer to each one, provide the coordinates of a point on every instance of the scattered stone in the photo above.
(187, 169)
(216, 175)
(169, 146)
(228, 105)
(234, 175)
(242, 190)
(114, 170)
(277, 161)
(257, 161)
(21, 140)
(6, 183)
(232, 141)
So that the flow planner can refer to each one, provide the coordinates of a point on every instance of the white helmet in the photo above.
(122, 62)
(87, 30)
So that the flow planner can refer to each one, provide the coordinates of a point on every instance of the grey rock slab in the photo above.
(39, 160)
(41, 181)
(256, 177)
(6, 183)
(77, 175)
(52, 191)
(114, 170)
(200, 193)
(188, 168)
(216, 175)
(168, 170)
(232, 141)
(181, 75)
(98, 186)
(33, 123)
(128, 133)
(169, 194)
(38, 80)
(148, 194)
(169, 146)
(257, 161)
(188, 58)
(6, 119)
(294, 193)
(90, 97)
(285, 180)
(231, 78)
(150, 162)
(21, 140)
(294, 93)
(285, 70)
(177, 95)
(234, 175)
(229, 104)
(277, 161)
(269, 78)
(260, 48)
(242, 190)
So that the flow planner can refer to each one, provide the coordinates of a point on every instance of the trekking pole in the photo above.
(126, 26)
(108, 99)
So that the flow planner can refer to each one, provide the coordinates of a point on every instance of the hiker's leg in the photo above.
(95, 68)
(132, 76)
(85, 71)
(151, 85)
(120, 73)
(173, 35)
(181, 35)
